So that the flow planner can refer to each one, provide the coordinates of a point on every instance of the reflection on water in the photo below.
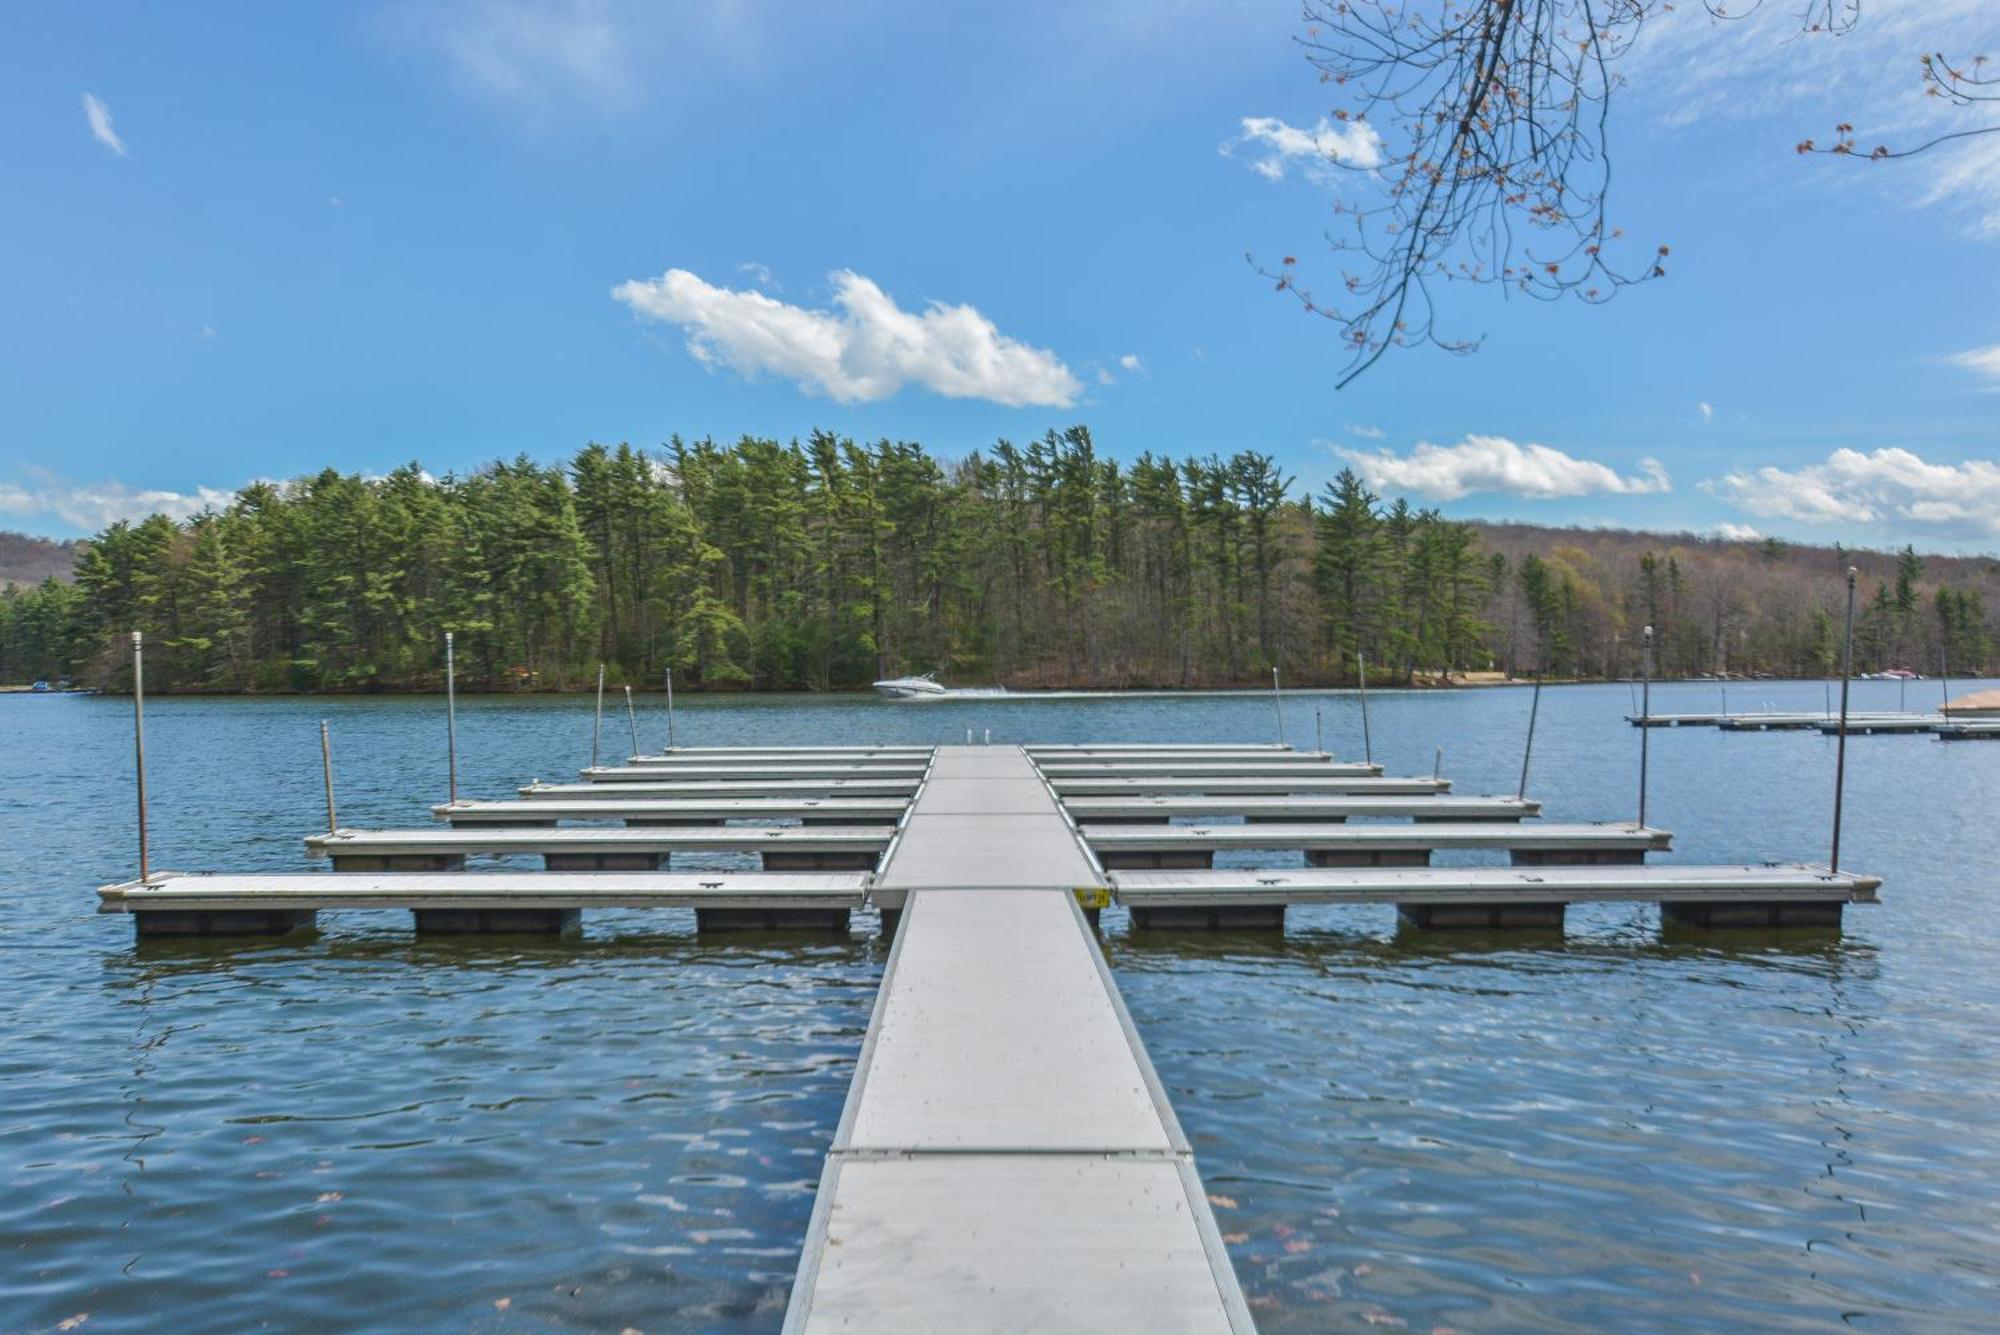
(1620, 1128)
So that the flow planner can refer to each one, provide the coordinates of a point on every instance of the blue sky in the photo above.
(248, 241)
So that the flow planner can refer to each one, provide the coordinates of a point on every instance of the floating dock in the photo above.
(1878, 721)
(173, 904)
(1424, 806)
(1007, 1159)
(644, 783)
(672, 811)
(782, 847)
(1493, 897)
(1867, 726)
(1170, 782)
(1339, 844)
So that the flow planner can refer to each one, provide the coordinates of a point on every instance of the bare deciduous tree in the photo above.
(1477, 134)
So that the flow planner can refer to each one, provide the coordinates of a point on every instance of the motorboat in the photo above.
(914, 687)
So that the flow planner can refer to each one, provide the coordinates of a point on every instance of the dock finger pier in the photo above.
(1007, 1158)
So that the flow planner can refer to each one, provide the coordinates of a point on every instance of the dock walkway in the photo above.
(1007, 1159)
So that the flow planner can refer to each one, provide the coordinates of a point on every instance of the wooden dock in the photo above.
(1007, 1158)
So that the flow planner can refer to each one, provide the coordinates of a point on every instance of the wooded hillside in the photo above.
(30, 560)
(825, 563)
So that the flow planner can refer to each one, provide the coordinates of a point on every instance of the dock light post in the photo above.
(1840, 748)
(1361, 674)
(326, 768)
(1645, 715)
(670, 710)
(1319, 734)
(597, 723)
(139, 737)
(1278, 703)
(1528, 749)
(451, 714)
(632, 720)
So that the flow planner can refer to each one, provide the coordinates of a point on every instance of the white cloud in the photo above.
(1270, 146)
(1131, 362)
(92, 506)
(101, 128)
(521, 51)
(1494, 463)
(538, 58)
(865, 349)
(1738, 533)
(1365, 432)
(1105, 377)
(761, 273)
(1983, 361)
(1707, 411)
(1884, 486)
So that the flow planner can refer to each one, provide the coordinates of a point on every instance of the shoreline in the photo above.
(958, 693)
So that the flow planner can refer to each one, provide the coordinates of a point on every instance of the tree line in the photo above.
(826, 563)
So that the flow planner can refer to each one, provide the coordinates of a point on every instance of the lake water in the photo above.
(1618, 1130)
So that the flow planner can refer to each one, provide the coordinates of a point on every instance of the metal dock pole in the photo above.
(1840, 749)
(451, 713)
(1645, 713)
(670, 711)
(1278, 703)
(1319, 734)
(326, 767)
(139, 737)
(632, 720)
(1534, 709)
(1367, 741)
(597, 723)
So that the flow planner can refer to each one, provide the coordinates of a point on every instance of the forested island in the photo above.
(825, 563)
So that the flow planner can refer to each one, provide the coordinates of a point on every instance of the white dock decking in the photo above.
(1172, 781)
(665, 811)
(1414, 841)
(754, 770)
(1303, 807)
(649, 785)
(1007, 1160)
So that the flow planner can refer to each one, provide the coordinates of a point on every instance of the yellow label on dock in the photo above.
(1093, 896)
